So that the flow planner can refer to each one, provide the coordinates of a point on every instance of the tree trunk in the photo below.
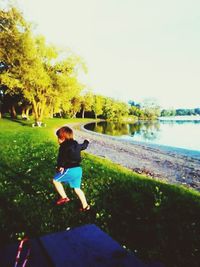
(83, 113)
(38, 111)
(51, 113)
(0, 109)
(27, 112)
(35, 110)
(42, 111)
(23, 113)
(13, 112)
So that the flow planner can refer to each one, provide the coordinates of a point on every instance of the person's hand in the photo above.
(61, 170)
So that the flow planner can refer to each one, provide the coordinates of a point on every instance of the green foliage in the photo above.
(155, 220)
(33, 70)
(114, 110)
(180, 112)
(87, 101)
(98, 105)
(136, 111)
(75, 106)
(168, 112)
(148, 110)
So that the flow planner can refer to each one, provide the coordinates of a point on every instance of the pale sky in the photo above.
(134, 49)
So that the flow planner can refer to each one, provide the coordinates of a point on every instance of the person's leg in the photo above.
(81, 196)
(60, 189)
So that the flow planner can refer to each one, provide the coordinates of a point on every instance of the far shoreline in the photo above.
(180, 118)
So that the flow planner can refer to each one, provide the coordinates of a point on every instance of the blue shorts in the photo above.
(71, 176)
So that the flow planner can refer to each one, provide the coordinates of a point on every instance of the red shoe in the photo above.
(62, 201)
(85, 209)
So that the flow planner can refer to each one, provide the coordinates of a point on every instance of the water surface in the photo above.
(174, 134)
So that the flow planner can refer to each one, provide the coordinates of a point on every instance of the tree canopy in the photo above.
(32, 69)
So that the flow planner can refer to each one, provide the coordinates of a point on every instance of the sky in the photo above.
(133, 49)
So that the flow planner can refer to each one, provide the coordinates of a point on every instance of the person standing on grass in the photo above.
(68, 166)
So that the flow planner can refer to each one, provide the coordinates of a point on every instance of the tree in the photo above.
(33, 71)
(108, 110)
(114, 110)
(64, 77)
(150, 108)
(98, 105)
(87, 101)
(135, 111)
(197, 111)
(25, 75)
(1, 101)
(168, 112)
(75, 106)
(120, 110)
(12, 30)
(134, 104)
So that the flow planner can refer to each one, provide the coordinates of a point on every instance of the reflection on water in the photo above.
(115, 129)
(182, 134)
(148, 130)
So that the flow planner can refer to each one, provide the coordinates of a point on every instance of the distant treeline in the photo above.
(180, 112)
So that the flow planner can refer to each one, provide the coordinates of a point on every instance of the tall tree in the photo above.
(150, 108)
(33, 69)
(114, 110)
(75, 106)
(66, 86)
(87, 102)
(98, 104)
(12, 30)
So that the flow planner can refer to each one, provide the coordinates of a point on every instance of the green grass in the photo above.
(156, 220)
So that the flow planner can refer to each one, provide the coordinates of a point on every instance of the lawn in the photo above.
(155, 220)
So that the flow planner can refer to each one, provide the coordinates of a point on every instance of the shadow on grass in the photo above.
(20, 121)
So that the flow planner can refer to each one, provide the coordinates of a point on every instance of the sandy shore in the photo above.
(155, 162)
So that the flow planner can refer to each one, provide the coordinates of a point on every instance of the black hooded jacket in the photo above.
(69, 154)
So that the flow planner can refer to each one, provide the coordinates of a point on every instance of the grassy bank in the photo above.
(155, 220)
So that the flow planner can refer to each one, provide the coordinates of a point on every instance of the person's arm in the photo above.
(84, 145)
